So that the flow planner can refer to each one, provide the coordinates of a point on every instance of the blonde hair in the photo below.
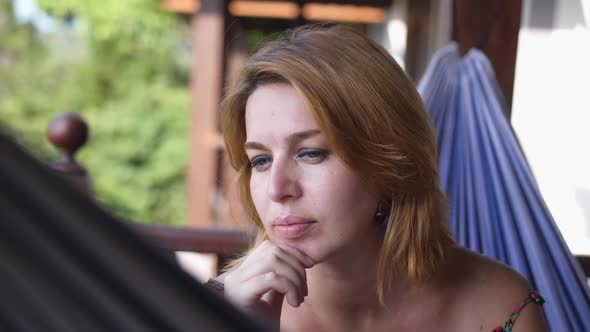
(376, 123)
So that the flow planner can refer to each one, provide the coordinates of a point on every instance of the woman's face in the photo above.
(304, 194)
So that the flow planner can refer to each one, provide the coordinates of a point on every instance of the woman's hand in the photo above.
(271, 273)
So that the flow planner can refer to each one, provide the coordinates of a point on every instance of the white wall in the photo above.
(551, 109)
(393, 32)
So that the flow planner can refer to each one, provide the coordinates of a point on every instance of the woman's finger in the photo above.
(275, 262)
(256, 287)
(269, 253)
(276, 254)
(304, 259)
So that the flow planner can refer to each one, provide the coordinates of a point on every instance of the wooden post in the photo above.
(206, 82)
(418, 19)
(429, 28)
(496, 23)
(232, 214)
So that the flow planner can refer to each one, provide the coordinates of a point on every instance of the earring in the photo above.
(382, 212)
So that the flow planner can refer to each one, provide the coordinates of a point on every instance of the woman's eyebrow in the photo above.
(254, 146)
(300, 136)
(289, 140)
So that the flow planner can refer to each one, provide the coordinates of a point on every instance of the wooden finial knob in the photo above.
(68, 132)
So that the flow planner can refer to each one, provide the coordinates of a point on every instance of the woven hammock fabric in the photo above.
(496, 206)
(67, 265)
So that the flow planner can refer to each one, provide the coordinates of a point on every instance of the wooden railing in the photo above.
(207, 241)
(68, 132)
(224, 244)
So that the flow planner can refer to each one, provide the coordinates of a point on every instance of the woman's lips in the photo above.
(291, 227)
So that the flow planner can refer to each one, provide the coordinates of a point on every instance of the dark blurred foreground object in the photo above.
(66, 265)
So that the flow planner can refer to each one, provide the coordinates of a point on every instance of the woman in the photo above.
(337, 169)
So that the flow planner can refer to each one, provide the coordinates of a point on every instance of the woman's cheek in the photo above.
(257, 193)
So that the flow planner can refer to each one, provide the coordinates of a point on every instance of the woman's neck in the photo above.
(344, 287)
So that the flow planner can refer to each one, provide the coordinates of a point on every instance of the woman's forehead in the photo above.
(277, 109)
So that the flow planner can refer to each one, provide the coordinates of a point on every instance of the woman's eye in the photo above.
(260, 163)
(312, 155)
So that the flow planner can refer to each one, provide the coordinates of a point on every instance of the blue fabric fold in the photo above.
(496, 206)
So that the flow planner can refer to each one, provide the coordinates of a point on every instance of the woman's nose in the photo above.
(283, 183)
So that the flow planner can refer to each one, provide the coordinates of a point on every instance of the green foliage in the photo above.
(256, 38)
(117, 64)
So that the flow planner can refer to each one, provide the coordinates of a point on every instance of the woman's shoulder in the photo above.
(486, 293)
(478, 271)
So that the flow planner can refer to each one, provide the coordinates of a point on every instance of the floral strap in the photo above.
(533, 297)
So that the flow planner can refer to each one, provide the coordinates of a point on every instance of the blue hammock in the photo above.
(497, 208)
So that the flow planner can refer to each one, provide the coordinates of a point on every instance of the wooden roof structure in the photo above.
(271, 8)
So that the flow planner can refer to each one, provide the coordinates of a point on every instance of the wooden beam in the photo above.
(206, 82)
(181, 6)
(265, 9)
(343, 13)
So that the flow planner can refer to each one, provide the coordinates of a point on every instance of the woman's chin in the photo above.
(306, 247)
(311, 251)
